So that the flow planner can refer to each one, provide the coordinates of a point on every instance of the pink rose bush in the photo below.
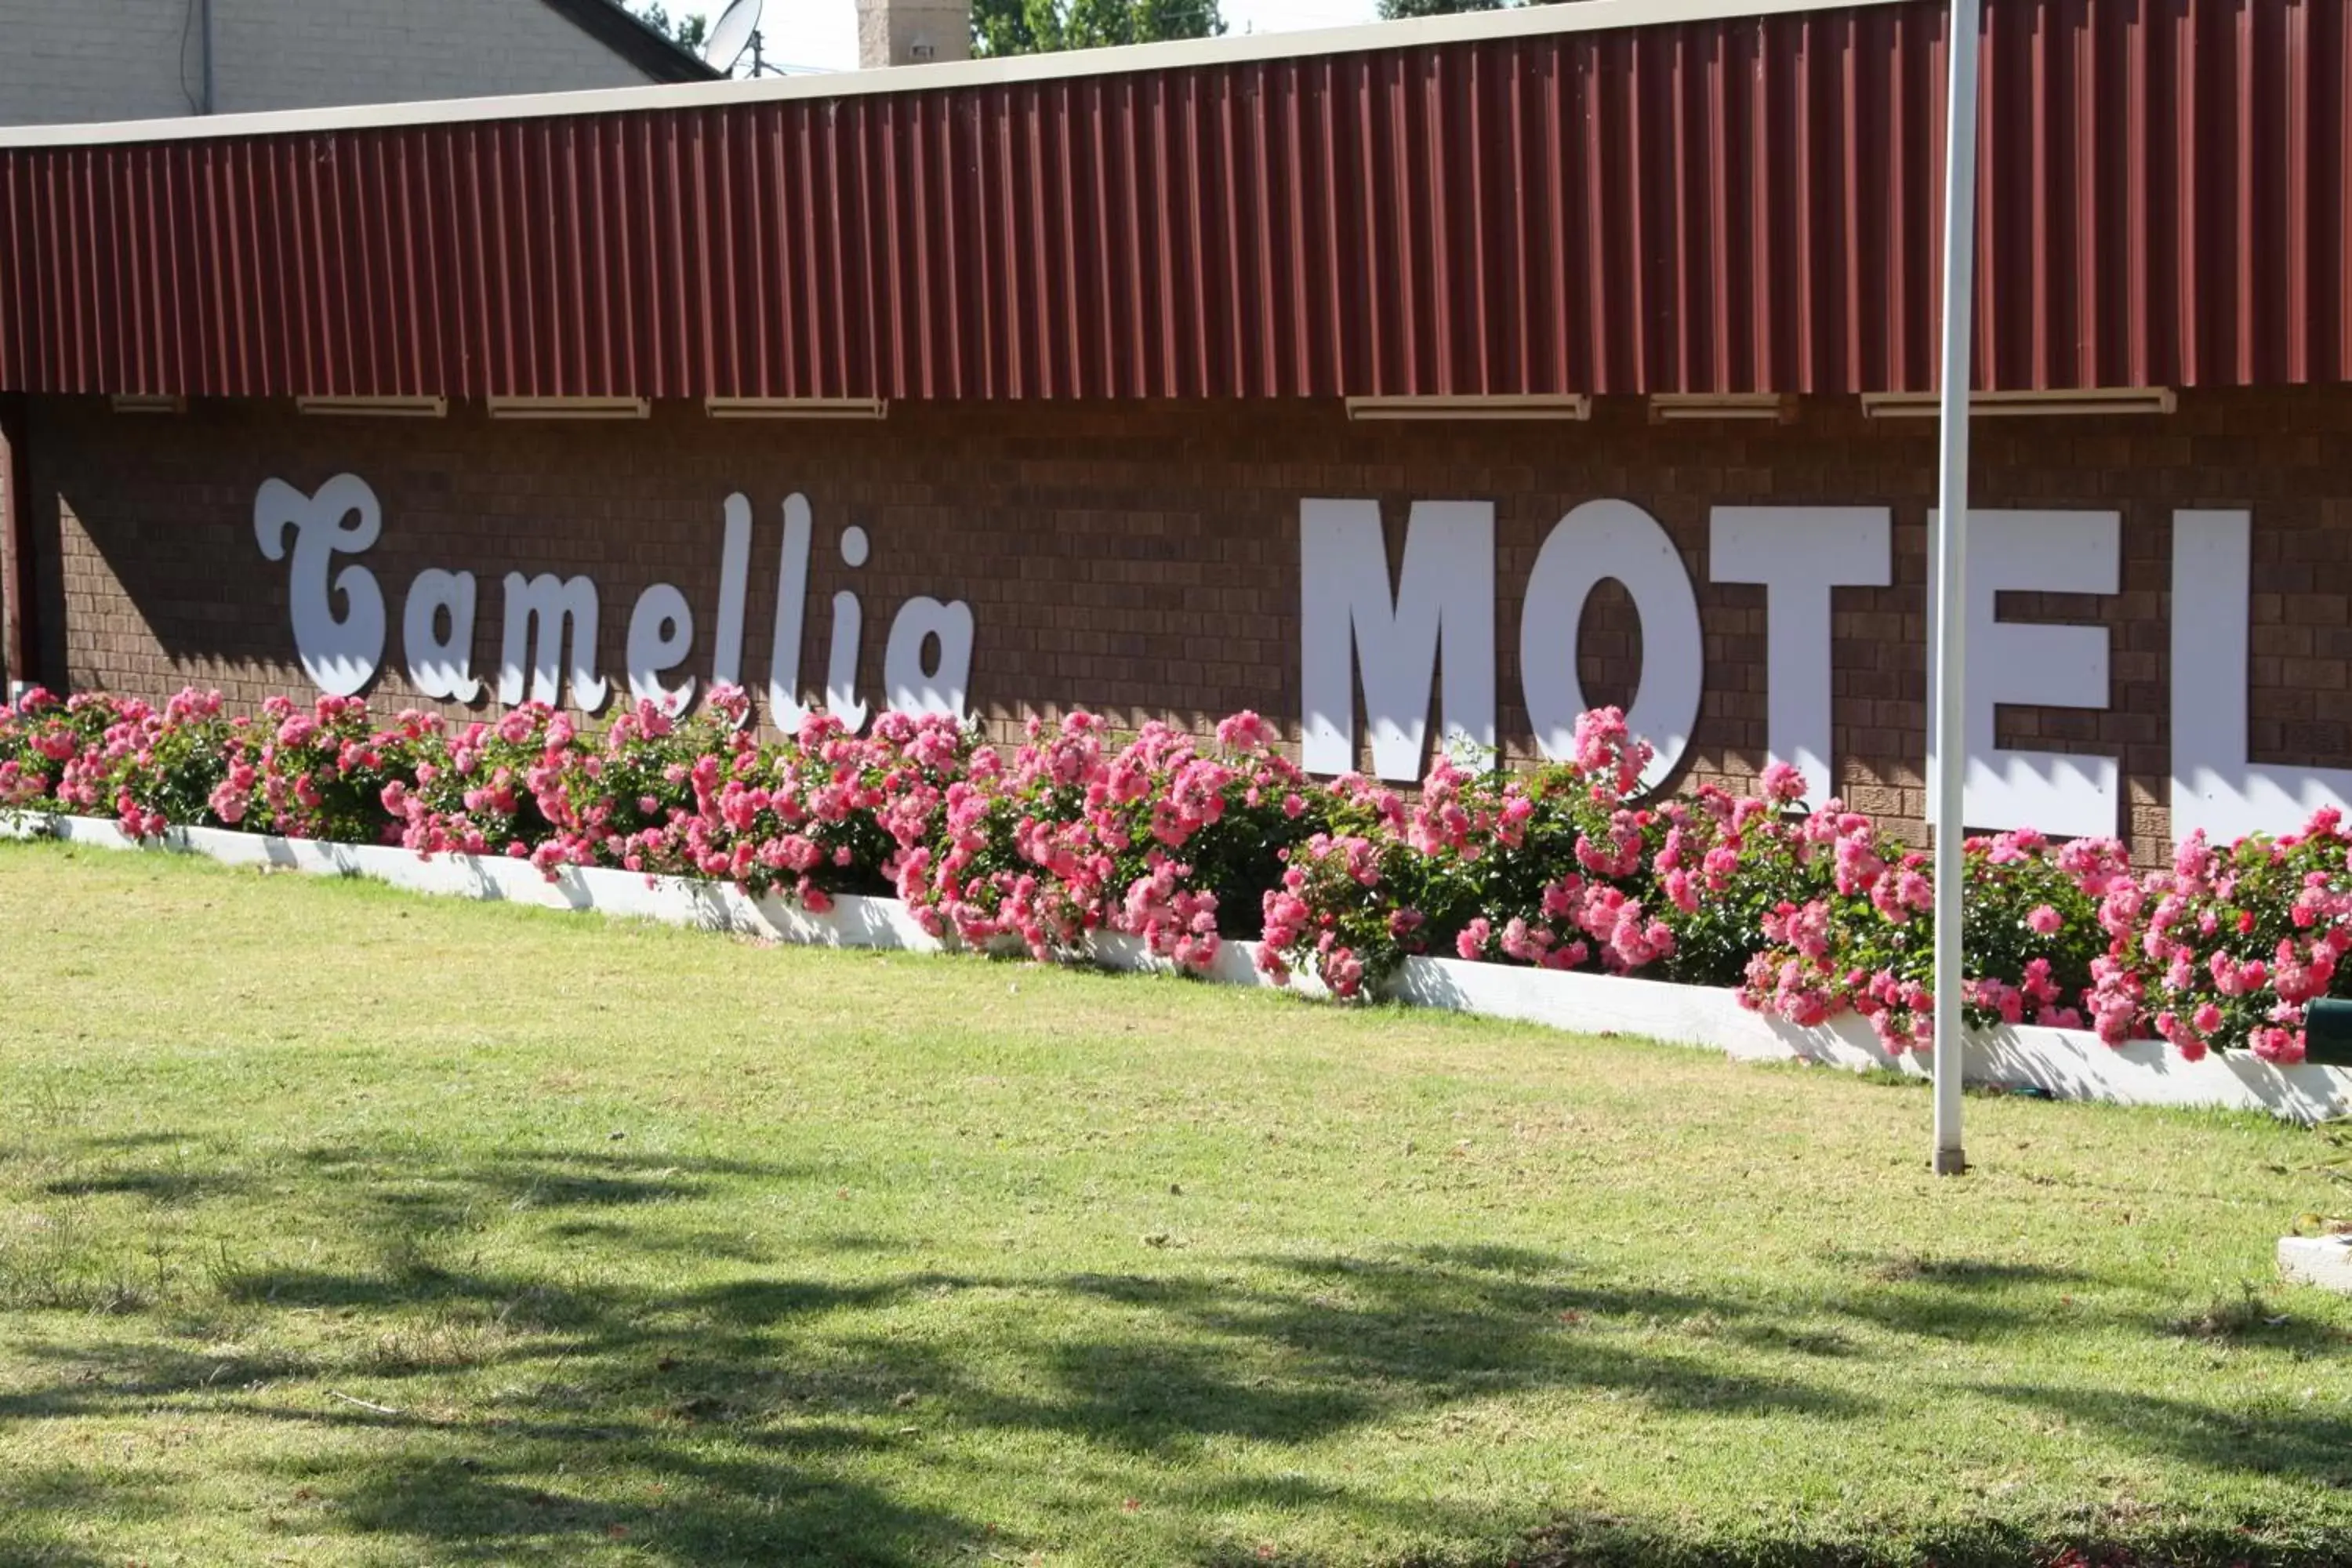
(1350, 902)
(1184, 842)
(1552, 869)
(814, 813)
(1855, 932)
(1073, 833)
(2229, 947)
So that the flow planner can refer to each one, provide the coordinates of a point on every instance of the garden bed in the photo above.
(1809, 916)
(2071, 1064)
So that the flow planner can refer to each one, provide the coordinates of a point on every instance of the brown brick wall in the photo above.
(1142, 561)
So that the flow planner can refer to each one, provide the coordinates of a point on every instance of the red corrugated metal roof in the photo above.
(1719, 203)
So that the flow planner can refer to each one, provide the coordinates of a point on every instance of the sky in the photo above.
(824, 33)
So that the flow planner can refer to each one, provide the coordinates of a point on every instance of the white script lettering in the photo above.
(340, 653)
(548, 639)
(661, 635)
(542, 614)
(440, 666)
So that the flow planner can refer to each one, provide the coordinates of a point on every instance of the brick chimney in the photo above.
(912, 32)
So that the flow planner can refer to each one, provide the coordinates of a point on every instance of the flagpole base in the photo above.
(1951, 1163)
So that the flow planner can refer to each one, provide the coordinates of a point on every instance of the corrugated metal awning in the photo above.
(1543, 203)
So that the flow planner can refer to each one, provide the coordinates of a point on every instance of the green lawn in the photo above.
(343, 1226)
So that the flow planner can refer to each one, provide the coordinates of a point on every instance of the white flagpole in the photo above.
(1950, 739)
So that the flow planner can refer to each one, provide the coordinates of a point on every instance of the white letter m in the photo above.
(1444, 596)
(540, 610)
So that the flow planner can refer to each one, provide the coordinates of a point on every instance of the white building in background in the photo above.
(63, 62)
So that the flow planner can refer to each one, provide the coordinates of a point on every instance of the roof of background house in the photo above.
(649, 50)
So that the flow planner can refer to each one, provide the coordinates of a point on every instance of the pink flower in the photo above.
(1344, 973)
(2044, 920)
(1471, 942)
(2282, 1047)
(1781, 783)
(2183, 1038)
(1244, 731)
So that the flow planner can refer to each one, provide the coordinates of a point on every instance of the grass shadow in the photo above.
(1601, 1541)
(2307, 1445)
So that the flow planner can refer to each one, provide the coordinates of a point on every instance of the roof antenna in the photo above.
(736, 30)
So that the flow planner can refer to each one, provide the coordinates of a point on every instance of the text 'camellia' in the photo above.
(548, 641)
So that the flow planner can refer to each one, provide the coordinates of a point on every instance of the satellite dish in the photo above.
(733, 33)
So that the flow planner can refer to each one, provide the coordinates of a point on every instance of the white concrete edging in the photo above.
(2322, 1260)
(2066, 1064)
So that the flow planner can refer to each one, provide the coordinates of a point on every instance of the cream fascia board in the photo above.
(796, 407)
(1691, 407)
(2047, 403)
(374, 407)
(1498, 406)
(570, 408)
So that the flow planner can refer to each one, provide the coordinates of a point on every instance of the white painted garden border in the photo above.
(2069, 1064)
